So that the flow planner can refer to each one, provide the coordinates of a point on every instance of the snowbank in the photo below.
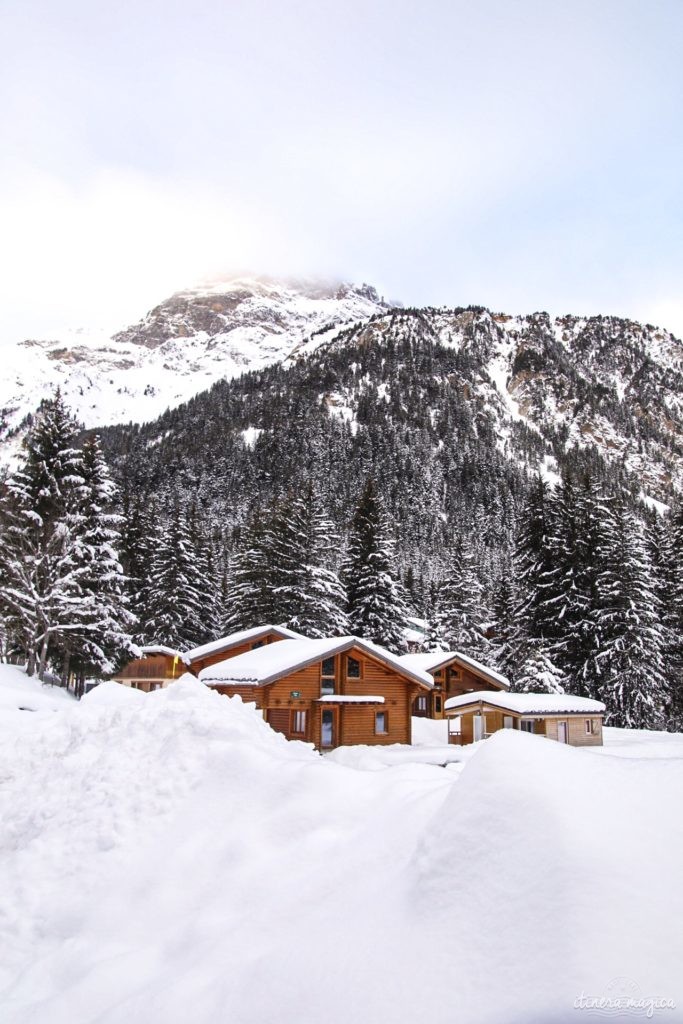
(111, 693)
(556, 870)
(171, 858)
(21, 692)
(429, 732)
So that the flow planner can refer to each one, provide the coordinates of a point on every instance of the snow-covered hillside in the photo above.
(602, 382)
(181, 347)
(170, 858)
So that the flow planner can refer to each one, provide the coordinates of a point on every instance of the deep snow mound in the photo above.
(559, 862)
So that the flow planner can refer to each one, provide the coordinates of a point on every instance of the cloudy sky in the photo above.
(521, 154)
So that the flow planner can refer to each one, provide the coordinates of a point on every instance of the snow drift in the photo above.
(172, 859)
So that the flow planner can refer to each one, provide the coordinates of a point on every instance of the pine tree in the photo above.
(376, 605)
(674, 606)
(139, 536)
(252, 598)
(535, 573)
(305, 554)
(102, 638)
(504, 605)
(284, 571)
(538, 673)
(177, 587)
(460, 612)
(627, 661)
(40, 564)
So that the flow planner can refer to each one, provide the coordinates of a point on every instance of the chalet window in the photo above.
(259, 643)
(421, 703)
(299, 723)
(590, 726)
(381, 723)
(526, 726)
(437, 705)
(352, 668)
(327, 678)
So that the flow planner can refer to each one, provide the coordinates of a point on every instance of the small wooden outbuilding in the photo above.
(157, 666)
(328, 692)
(558, 716)
(454, 674)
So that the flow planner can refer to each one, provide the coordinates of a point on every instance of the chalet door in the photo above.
(562, 732)
(327, 728)
(507, 722)
(479, 727)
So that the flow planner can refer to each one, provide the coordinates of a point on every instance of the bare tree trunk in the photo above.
(65, 668)
(43, 656)
(31, 663)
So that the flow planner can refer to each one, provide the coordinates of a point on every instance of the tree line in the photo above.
(587, 598)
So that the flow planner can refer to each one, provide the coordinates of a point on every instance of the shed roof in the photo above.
(160, 649)
(529, 703)
(434, 660)
(235, 639)
(266, 664)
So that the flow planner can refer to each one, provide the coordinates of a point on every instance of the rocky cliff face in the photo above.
(182, 346)
(547, 386)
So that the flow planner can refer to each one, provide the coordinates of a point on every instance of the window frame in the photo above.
(327, 681)
(385, 716)
(296, 714)
(349, 658)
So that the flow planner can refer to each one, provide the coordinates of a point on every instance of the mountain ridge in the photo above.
(604, 382)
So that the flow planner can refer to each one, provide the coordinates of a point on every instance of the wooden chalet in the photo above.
(235, 644)
(157, 666)
(558, 716)
(327, 692)
(454, 674)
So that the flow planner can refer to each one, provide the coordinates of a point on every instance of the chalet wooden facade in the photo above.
(562, 717)
(329, 692)
(454, 674)
(235, 644)
(156, 667)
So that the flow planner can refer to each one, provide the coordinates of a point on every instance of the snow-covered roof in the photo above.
(336, 698)
(434, 660)
(266, 664)
(235, 639)
(529, 703)
(160, 649)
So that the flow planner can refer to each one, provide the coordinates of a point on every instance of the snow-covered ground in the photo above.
(168, 858)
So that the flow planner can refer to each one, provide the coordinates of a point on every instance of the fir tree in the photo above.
(460, 613)
(40, 564)
(537, 673)
(376, 605)
(627, 661)
(535, 572)
(177, 587)
(304, 557)
(504, 606)
(252, 598)
(102, 638)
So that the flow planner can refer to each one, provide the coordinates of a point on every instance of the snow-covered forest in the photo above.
(574, 587)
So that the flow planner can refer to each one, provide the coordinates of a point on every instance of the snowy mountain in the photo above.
(600, 384)
(182, 346)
